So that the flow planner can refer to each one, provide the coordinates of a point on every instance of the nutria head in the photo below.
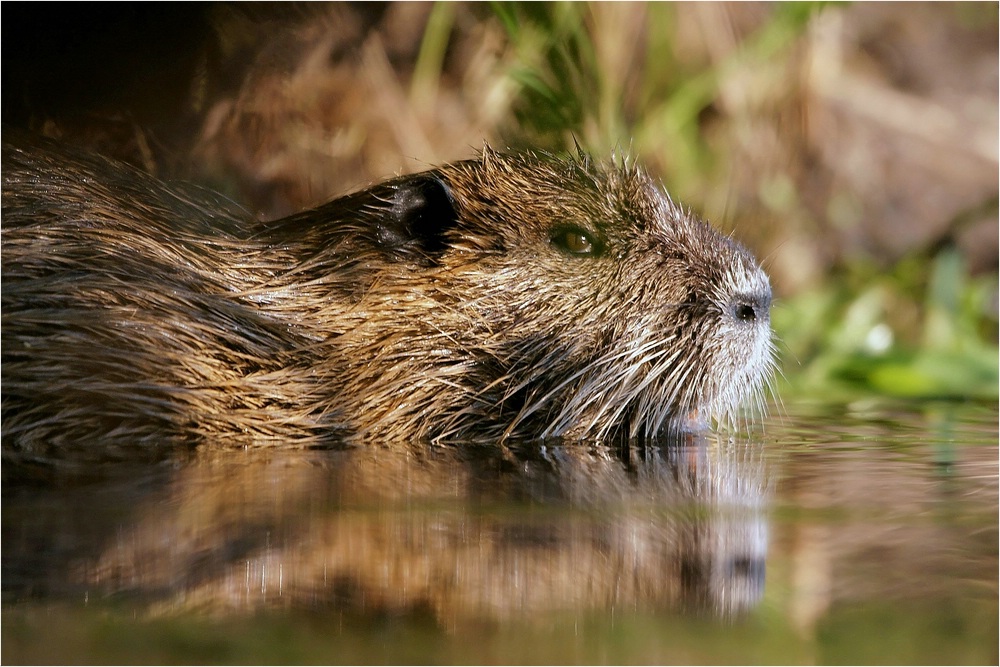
(517, 295)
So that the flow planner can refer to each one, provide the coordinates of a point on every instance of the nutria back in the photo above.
(513, 295)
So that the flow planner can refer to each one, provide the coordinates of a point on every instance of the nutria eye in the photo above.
(576, 241)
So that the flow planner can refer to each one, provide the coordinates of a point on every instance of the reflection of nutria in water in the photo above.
(507, 296)
(464, 532)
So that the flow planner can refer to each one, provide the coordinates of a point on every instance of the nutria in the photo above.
(508, 296)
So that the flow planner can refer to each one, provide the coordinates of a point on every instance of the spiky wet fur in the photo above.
(137, 314)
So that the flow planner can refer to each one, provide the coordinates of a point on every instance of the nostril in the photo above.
(748, 567)
(750, 308)
(745, 312)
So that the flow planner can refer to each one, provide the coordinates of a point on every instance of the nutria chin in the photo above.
(513, 295)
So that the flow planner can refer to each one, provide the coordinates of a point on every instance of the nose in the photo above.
(751, 307)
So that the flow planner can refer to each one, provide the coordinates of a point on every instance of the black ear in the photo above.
(419, 211)
(407, 219)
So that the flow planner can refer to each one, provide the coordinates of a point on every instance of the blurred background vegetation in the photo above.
(854, 147)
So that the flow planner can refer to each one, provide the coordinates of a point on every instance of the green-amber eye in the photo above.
(575, 241)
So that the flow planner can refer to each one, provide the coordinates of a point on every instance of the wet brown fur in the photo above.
(447, 306)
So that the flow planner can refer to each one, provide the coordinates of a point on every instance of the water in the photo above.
(860, 533)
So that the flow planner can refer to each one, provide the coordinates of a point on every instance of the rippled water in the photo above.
(850, 534)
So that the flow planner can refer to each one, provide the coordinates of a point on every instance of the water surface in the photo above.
(859, 533)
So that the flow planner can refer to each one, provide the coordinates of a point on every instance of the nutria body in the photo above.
(507, 296)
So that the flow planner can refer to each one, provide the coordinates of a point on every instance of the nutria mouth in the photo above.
(510, 296)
